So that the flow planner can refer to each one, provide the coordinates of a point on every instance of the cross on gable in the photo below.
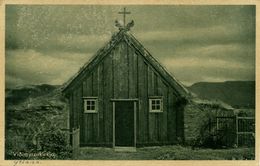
(124, 14)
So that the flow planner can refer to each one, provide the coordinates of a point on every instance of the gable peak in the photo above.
(122, 26)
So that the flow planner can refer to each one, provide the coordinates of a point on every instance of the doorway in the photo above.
(124, 123)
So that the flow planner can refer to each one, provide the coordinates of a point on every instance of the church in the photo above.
(124, 98)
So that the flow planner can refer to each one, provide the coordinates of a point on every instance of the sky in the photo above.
(47, 44)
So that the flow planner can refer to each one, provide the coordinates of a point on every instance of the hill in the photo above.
(22, 103)
(238, 94)
(32, 111)
(20, 94)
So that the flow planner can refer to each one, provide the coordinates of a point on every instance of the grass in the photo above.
(167, 153)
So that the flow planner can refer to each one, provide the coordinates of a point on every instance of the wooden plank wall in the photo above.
(120, 60)
(171, 117)
(125, 74)
(108, 94)
(143, 115)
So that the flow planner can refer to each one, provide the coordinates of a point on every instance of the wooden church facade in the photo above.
(124, 97)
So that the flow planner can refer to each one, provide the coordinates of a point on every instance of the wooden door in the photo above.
(124, 123)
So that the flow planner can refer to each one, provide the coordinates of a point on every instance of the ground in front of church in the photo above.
(167, 153)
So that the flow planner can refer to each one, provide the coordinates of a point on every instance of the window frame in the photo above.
(85, 100)
(155, 98)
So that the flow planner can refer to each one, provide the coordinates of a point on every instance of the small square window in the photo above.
(90, 105)
(155, 104)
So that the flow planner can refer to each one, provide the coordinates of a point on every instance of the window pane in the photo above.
(158, 107)
(88, 102)
(92, 107)
(153, 107)
(157, 101)
(153, 102)
(92, 103)
(88, 107)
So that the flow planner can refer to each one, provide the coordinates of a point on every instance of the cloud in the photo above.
(77, 43)
(34, 25)
(220, 34)
(191, 70)
(204, 63)
(61, 42)
(223, 42)
(32, 67)
(242, 53)
(49, 43)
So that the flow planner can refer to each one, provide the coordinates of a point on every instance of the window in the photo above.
(155, 104)
(90, 105)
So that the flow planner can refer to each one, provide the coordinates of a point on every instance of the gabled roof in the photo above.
(132, 41)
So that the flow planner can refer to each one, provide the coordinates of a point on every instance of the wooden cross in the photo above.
(124, 13)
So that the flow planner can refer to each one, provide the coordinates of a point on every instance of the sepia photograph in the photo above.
(129, 82)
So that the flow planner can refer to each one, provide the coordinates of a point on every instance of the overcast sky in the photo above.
(48, 44)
